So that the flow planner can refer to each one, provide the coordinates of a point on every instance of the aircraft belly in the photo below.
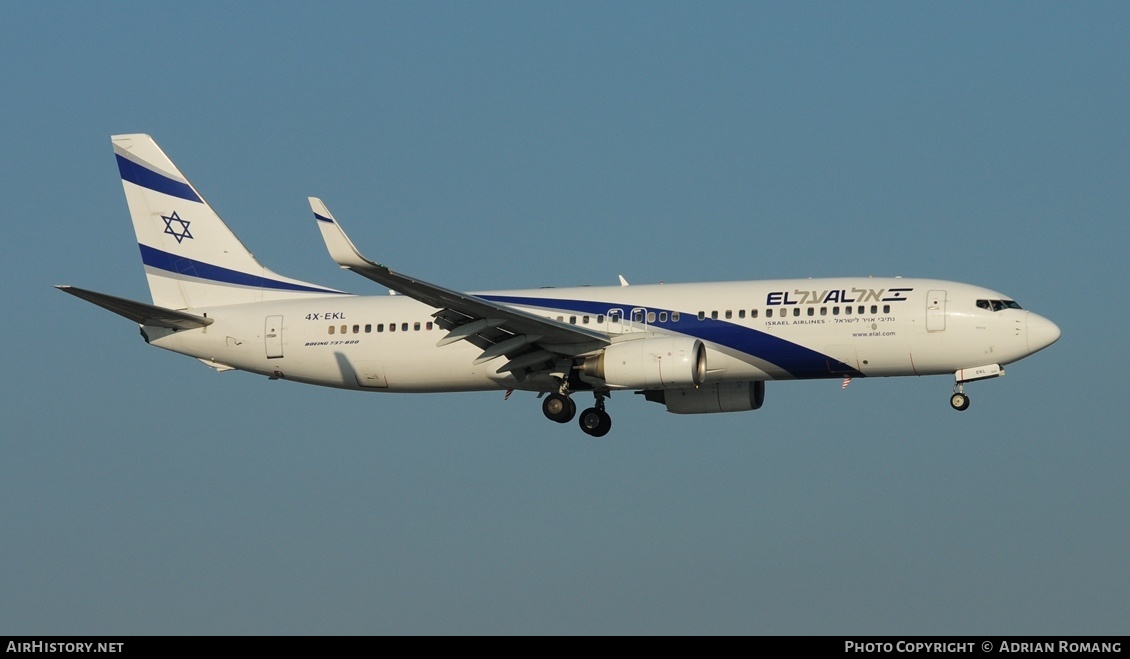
(423, 367)
(438, 376)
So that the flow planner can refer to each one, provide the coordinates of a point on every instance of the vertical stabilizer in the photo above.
(192, 259)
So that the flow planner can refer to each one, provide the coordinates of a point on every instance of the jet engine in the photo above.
(659, 363)
(711, 398)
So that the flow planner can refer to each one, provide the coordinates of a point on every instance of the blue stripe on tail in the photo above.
(147, 178)
(180, 265)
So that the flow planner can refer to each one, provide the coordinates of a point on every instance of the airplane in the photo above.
(696, 348)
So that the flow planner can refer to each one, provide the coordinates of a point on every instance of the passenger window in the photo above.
(614, 316)
(812, 311)
(886, 308)
(392, 327)
(874, 308)
(702, 315)
(714, 315)
(729, 314)
(343, 329)
(368, 329)
(429, 326)
(416, 326)
(847, 310)
(835, 311)
(753, 313)
(585, 320)
(600, 319)
(331, 329)
(768, 313)
(796, 311)
(403, 327)
(741, 313)
(651, 316)
(356, 329)
(674, 316)
(662, 316)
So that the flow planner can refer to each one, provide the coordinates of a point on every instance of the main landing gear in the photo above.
(559, 408)
(594, 421)
(959, 400)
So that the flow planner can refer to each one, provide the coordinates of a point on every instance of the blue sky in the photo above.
(500, 145)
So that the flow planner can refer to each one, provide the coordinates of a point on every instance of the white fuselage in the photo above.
(695, 348)
(753, 331)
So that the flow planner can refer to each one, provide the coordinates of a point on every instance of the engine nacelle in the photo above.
(660, 363)
(711, 398)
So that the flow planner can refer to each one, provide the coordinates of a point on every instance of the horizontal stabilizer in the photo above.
(140, 312)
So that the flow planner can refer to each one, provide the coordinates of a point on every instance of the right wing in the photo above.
(528, 341)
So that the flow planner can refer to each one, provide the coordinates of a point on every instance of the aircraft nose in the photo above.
(1041, 332)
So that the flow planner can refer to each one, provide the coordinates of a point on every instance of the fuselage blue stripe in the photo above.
(147, 178)
(797, 360)
(180, 265)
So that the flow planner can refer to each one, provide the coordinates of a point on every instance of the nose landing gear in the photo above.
(959, 400)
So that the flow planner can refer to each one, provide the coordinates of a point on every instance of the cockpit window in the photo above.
(997, 305)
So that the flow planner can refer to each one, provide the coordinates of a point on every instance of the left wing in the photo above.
(528, 341)
(140, 312)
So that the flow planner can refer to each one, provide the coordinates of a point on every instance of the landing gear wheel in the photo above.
(559, 408)
(959, 401)
(595, 422)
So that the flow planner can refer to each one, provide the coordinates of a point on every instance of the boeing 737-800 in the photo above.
(695, 348)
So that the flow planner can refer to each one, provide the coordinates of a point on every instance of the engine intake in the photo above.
(660, 363)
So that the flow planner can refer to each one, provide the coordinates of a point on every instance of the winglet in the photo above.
(341, 248)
